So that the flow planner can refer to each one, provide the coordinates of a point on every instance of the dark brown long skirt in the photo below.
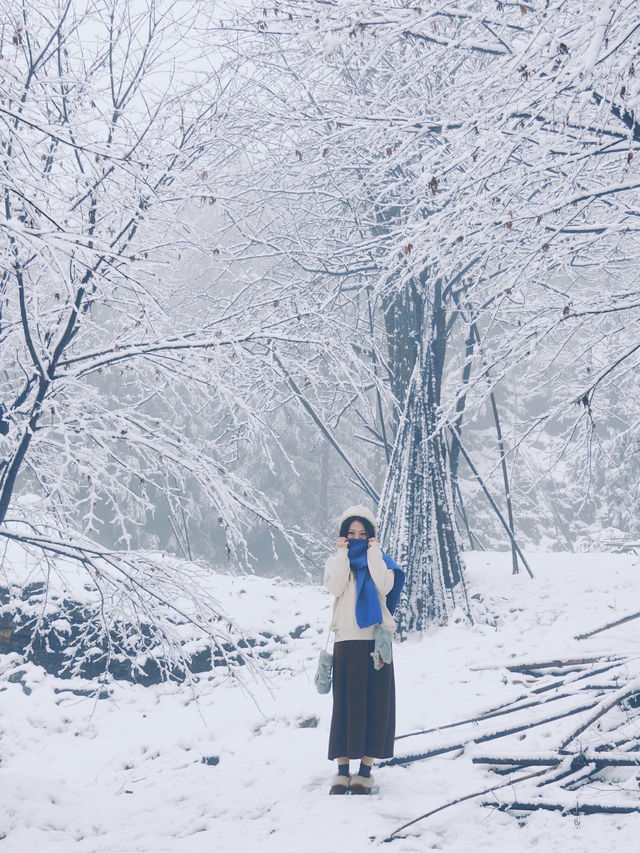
(364, 703)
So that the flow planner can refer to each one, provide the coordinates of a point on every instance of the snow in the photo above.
(126, 773)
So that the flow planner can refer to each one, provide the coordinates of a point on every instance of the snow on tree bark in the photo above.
(416, 507)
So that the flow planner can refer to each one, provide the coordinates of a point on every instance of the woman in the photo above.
(366, 584)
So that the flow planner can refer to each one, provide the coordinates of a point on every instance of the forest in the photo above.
(264, 260)
(339, 251)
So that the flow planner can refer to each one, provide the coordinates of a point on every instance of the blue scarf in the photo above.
(368, 611)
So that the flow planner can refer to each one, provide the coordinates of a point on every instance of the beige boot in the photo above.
(361, 784)
(339, 784)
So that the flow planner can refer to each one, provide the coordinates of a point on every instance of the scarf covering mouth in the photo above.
(368, 610)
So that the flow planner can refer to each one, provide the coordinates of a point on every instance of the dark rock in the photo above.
(32, 590)
(68, 653)
(17, 677)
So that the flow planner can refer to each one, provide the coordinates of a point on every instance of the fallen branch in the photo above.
(599, 759)
(524, 760)
(515, 729)
(585, 808)
(604, 707)
(556, 664)
(512, 706)
(570, 766)
(592, 686)
(455, 802)
(562, 682)
(409, 759)
(607, 626)
(488, 715)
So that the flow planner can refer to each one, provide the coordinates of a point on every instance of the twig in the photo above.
(360, 479)
(505, 477)
(494, 505)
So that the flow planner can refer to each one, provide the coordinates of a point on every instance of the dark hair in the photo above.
(346, 524)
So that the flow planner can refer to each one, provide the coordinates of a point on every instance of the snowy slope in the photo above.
(127, 774)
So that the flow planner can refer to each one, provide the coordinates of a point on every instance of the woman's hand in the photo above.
(343, 542)
(372, 541)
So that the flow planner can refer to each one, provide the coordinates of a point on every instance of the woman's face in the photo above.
(356, 530)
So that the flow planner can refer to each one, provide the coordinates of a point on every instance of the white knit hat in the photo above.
(359, 511)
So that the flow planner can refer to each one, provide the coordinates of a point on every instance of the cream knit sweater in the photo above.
(341, 582)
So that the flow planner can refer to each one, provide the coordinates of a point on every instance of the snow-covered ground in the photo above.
(127, 773)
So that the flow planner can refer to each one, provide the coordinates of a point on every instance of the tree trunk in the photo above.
(416, 507)
(403, 318)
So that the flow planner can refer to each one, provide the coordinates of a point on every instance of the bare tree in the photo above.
(123, 378)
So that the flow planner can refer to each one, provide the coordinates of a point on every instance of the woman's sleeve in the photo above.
(383, 577)
(336, 572)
